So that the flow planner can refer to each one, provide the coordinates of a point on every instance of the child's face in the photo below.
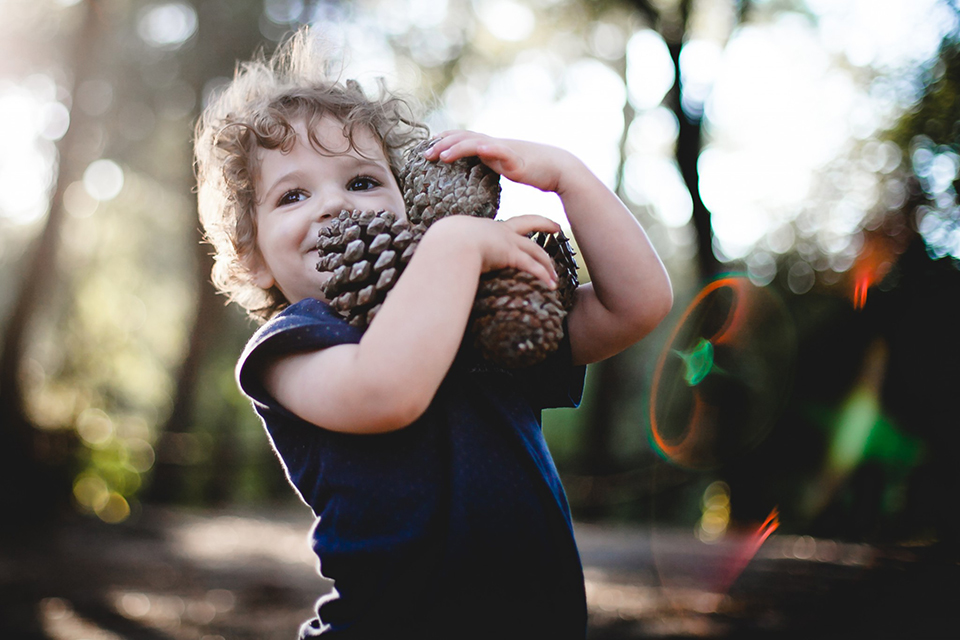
(301, 191)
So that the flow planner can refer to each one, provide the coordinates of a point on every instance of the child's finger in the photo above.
(527, 224)
(536, 261)
(498, 156)
(539, 265)
(455, 135)
(445, 141)
(461, 148)
(530, 223)
(463, 144)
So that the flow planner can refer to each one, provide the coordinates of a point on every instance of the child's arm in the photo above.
(387, 380)
(629, 292)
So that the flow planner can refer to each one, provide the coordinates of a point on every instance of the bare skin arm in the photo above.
(387, 380)
(629, 293)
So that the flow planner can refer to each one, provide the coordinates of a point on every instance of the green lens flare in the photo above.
(699, 361)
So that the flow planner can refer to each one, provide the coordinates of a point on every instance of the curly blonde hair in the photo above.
(256, 111)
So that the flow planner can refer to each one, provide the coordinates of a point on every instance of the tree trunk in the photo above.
(22, 461)
(673, 28)
(168, 477)
(212, 54)
(689, 145)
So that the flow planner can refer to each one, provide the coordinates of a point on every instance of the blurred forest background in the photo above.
(803, 154)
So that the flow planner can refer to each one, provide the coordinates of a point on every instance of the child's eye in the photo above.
(294, 195)
(362, 183)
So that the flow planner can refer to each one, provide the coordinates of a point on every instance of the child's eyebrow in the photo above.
(364, 161)
(289, 176)
(371, 165)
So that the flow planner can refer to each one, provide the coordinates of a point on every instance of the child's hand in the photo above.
(629, 291)
(503, 245)
(529, 163)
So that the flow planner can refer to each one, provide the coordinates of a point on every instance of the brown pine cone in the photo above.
(366, 251)
(434, 190)
(516, 320)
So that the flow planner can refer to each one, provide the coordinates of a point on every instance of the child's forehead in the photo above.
(327, 137)
(329, 134)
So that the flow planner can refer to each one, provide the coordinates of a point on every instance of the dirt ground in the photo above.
(182, 575)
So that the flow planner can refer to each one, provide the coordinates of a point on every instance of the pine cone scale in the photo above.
(362, 251)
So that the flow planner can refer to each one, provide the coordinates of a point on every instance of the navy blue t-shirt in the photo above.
(455, 526)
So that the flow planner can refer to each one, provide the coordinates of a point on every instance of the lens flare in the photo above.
(746, 549)
(699, 362)
(723, 376)
(880, 252)
(709, 557)
(861, 285)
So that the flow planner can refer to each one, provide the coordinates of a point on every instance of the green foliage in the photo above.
(937, 115)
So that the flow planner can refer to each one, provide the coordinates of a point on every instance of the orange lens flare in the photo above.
(681, 449)
(860, 287)
(748, 548)
(880, 252)
(722, 376)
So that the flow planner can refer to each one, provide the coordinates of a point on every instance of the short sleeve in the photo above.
(307, 325)
(555, 381)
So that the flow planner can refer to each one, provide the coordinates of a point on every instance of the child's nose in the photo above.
(333, 204)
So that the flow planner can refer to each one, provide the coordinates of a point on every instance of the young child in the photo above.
(440, 513)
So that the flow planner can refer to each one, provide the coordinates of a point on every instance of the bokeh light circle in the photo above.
(103, 179)
(723, 376)
(167, 25)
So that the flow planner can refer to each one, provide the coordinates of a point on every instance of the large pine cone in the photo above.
(434, 190)
(366, 251)
(516, 320)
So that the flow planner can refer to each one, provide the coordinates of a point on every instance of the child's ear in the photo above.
(260, 273)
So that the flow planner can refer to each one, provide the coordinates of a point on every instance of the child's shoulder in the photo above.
(304, 325)
(305, 313)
